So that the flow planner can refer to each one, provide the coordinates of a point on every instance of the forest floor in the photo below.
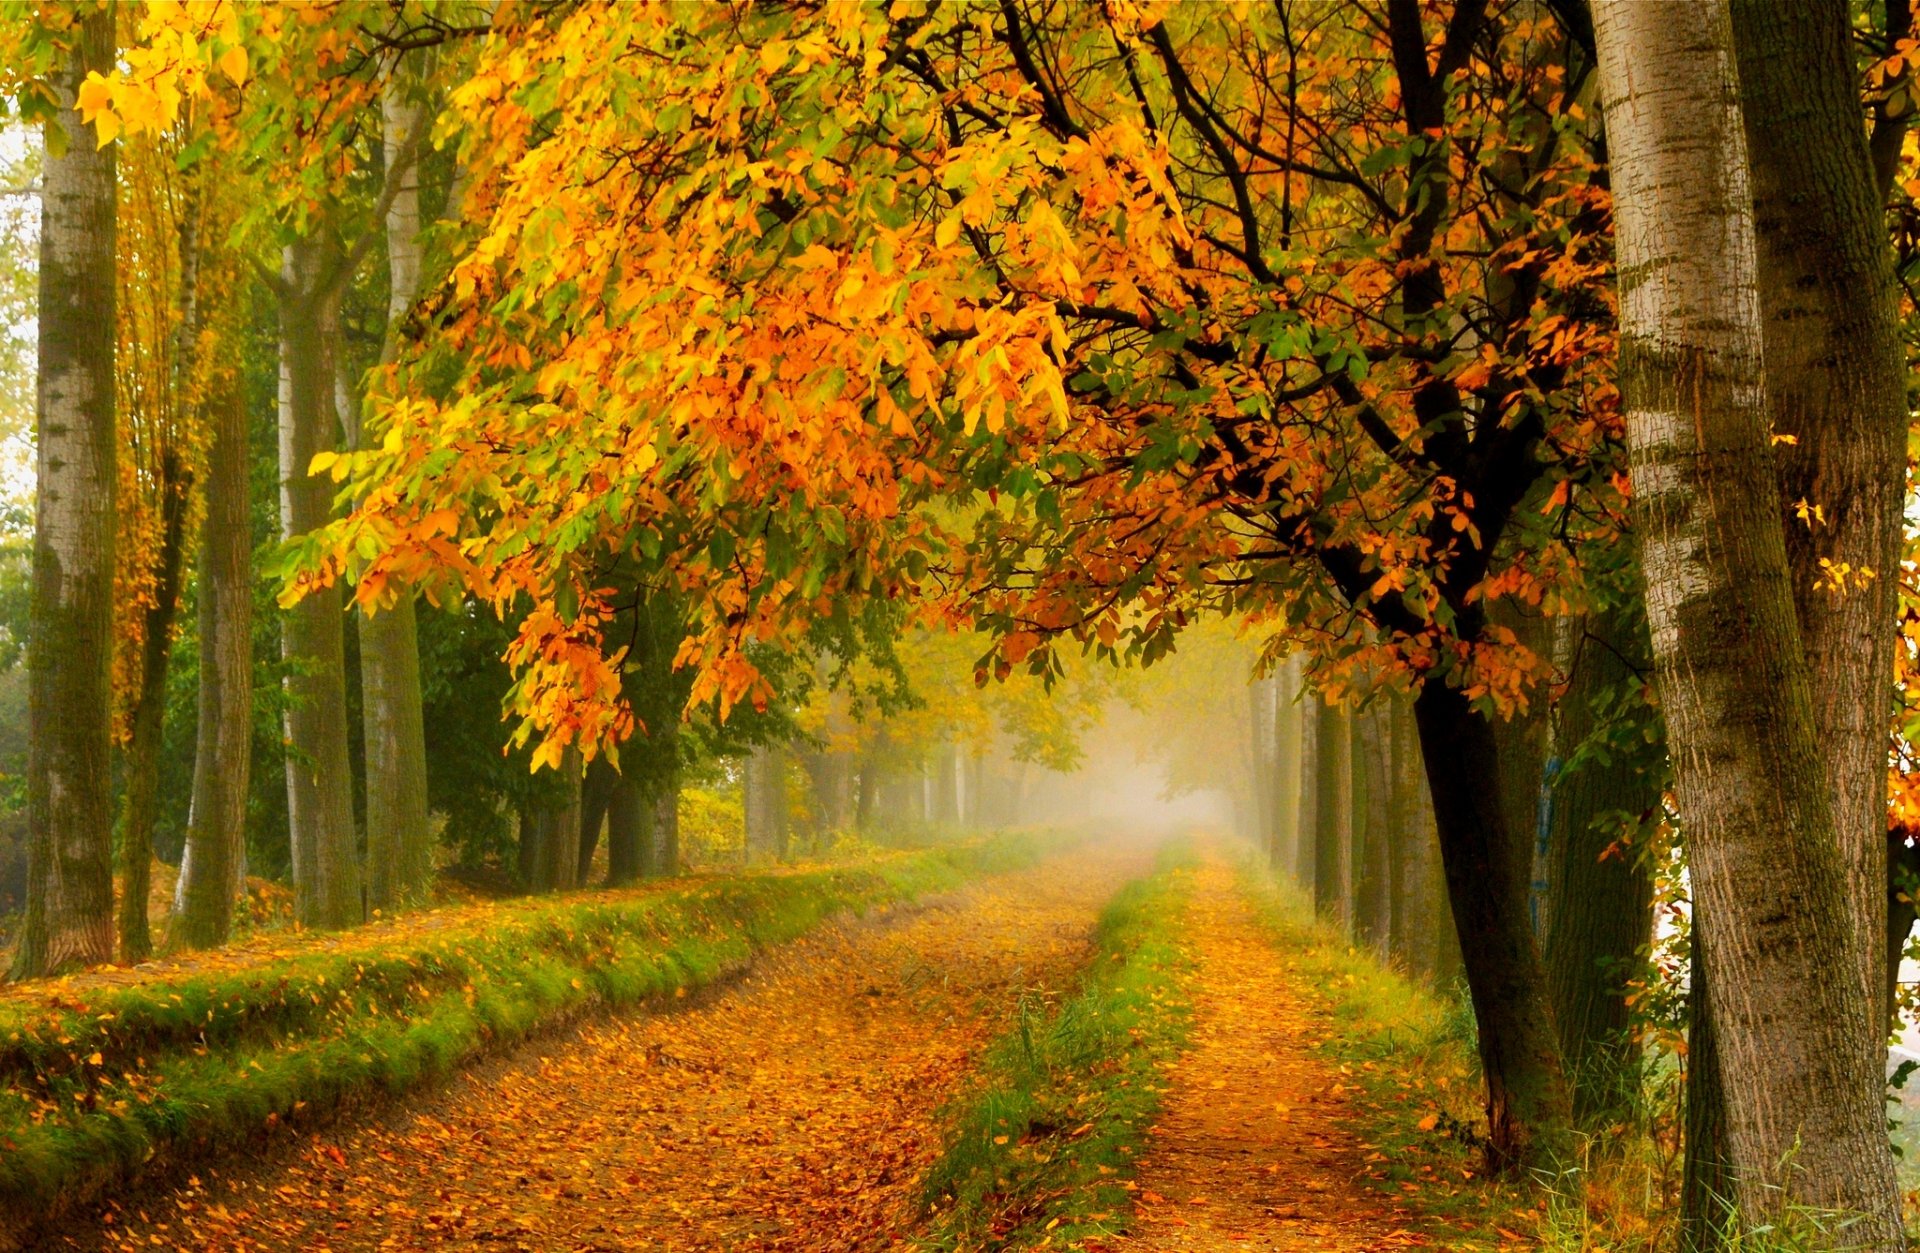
(799, 1108)
(792, 1111)
(1253, 1149)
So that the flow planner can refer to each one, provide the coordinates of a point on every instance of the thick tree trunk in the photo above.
(69, 916)
(223, 744)
(1600, 912)
(399, 839)
(1804, 1121)
(1529, 1111)
(141, 801)
(1333, 821)
(1837, 384)
(326, 864)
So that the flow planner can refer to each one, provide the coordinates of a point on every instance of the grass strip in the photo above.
(1039, 1149)
(169, 1070)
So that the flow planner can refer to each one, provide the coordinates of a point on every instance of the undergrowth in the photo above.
(96, 1088)
(1039, 1149)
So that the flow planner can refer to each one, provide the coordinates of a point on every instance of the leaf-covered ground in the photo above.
(1254, 1148)
(795, 1110)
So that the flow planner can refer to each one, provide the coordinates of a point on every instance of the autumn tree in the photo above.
(1284, 315)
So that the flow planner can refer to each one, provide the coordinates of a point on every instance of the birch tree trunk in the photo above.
(1804, 1123)
(223, 743)
(69, 916)
(399, 840)
(326, 864)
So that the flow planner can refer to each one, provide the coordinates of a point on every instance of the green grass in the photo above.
(167, 1070)
(1039, 1149)
(1409, 1052)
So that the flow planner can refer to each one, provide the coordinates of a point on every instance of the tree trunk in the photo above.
(666, 826)
(1522, 740)
(530, 855)
(1306, 867)
(223, 744)
(69, 915)
(1372, 835)
(399, 838)
(561, 852)
(1262, 759)
(597, 792)
(765, 803)
(1422, 932)
(869, 791)
(1290, 710)
(1706, 1177)
(1333, 823)
(1837, 384)
(629, 832)
(1804, 1120)
(1529, 1112)
(326, 867)
(140, 804)
(1600, 894)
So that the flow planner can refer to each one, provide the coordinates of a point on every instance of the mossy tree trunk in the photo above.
(1788, 1004)
(1600, 888)
(326, 862)
(69, 914)
(399, 839)
(140, 800)
(223, 743)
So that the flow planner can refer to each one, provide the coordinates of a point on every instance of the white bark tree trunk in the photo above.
(1803, 1103)
(69, 919)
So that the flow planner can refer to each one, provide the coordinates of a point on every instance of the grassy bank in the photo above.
(1038, 1151)
(97, 1087)
(1407, 1052)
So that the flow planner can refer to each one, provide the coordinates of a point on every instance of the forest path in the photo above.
(1251, 1150)
(794, 1111)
